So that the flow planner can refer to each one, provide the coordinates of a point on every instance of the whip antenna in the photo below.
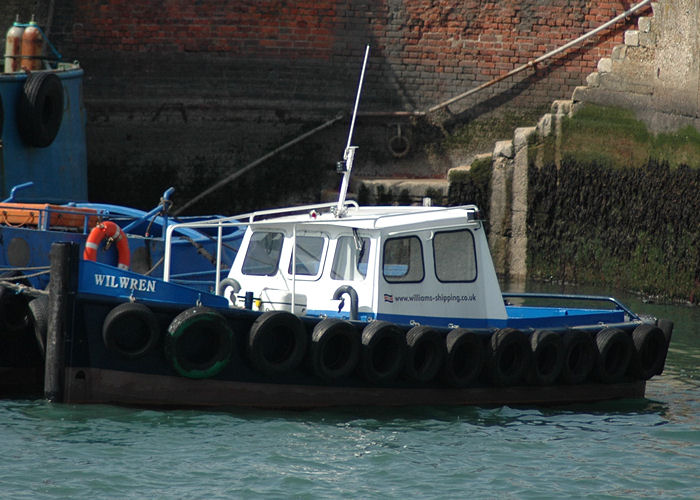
(345, 165)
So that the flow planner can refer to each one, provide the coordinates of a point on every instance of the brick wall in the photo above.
(423, 52)
(176, 83)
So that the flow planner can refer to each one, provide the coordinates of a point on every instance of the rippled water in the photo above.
(636, 449)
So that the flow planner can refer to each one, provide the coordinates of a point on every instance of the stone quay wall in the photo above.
(185, 92)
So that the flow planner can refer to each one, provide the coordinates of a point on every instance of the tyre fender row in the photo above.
(200, 342)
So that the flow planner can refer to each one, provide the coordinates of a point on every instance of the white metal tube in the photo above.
(219, 237)
(349, 153)
(357, 97)
(167, 252)
(294, 265)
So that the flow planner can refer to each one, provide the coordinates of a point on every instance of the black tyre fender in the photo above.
(666, 326)
(39, 320)
(40, 109)
(465, 357)
(199, 343)
(425, 354)
(14, 314)
(509, 356)
(277, 342)
(580, 357)
(335, 349)
(130, 329)
(649, 352)
(383, 352)
(547, 356)
(615, 349)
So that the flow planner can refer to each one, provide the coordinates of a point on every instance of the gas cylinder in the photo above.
(13, 47)
(32, 46)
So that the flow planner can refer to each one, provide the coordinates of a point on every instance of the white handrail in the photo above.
(541, 58)
(219, 245)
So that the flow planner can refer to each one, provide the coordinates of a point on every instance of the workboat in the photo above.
(338, 305)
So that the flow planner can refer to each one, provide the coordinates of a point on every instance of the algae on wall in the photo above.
(472, 186)
(621, 209)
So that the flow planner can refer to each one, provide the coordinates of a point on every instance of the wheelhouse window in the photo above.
(351, 258)
(403, 260)
(263, 254)
(309, 252)
(454, 256)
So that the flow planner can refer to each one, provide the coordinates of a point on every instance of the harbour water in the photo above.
(627, 449)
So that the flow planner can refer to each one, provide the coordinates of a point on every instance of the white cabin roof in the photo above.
(373, 217)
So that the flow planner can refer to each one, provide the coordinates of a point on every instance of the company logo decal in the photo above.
(445, 299)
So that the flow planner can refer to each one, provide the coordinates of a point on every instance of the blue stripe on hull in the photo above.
(521, 318)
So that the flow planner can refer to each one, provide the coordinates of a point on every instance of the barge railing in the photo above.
(561, 296)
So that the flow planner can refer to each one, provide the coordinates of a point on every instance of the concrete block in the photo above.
(561, 107)
(647, 39)
(544, 125)
(644, 24)
(619, 52)
(593, 79)
(579, 94)
(632, 38)
(605, 65)
(633, 84)
(503, 149)
(458, 174)
(521, 136)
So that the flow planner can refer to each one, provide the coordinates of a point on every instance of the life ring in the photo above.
(425, 354)
(277, 342)
(383, 352)
(649, 351)
(547, 356)
(465, 357)
(111, 230)
(39, 320)
(509, 356)
(199, 343)
(40, 109)
(579, 356)
(614, 354)
(130, 329)
(335, 348)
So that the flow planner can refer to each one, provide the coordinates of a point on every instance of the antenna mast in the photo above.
(345, 165)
